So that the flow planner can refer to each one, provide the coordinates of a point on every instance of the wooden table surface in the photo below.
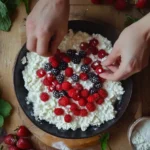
(11, 42)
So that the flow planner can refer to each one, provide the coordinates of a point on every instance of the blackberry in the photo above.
(93, 90)
(85, 68)
(75, 78)
(63, 65)
(60, 78)
(90, 74)
(56, 94)
(71, 52)
(55, 71)
(63, 93)
(94, 79)
(97, 85)
(47, 67)
(76, 59)
(82, 54)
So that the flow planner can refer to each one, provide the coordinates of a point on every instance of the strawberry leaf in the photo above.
(104, 141)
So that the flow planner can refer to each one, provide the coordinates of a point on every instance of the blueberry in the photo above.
(60, 78)
(56, 94)
(75, 78)
(85, 68)
(55, 71)
(47, 67)
(63, 65)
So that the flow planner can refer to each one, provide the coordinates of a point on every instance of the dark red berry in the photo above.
(46, 82)
(141, 3)
(84, 93)
(83, 76)
(100, 101)
(99, 70)
(69, 72)
(83, 112)
(24, 143)
(68, 118)
(78, 86)
(41, 73)
(10, 139)
(64, 101)
(84, 46)
(44, 96)
(120, 4)
(102, 53)
(103, 93)
(66, 85)
(87, 60)
(91, 107)
(13, 148)
(95, 64)
(96, 1)
(93, 50)
(23, 132)
(58, 111)
(93, 42)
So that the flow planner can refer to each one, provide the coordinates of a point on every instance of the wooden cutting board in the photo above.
(11, 42)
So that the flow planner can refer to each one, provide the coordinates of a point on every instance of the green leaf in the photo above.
(104, 141)
(3, 10)
(5, 108)
(26, 3)
(130, 20)
(1, 121)
(5, 23)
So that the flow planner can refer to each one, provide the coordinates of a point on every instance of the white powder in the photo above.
(141, 136)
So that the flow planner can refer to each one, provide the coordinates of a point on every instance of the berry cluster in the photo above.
(70, 93)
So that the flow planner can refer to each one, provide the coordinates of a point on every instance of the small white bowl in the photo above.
(133, 127)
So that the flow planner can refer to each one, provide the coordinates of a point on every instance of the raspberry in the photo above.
(50, 77)
(76, 112)
(96, 96)
(83, 76)
(91, 99)
(44, 96)
(53, 61)
(102, 53)
(72, 92)
(100, 101)
(93, 50)
(91, 107)
(78, 86)
(84, 93)
(93, 42)
(82, 102)
(58, 111)
(66, 85)
(53, 58)
(83, 112)
(41, 73)
(51, 88)
(69, 72)
(59, 87)
(84, 45)
(95, 64)
(64, 101)
(103, 93)
(87, 60)
(46, 82)
(68, 118)
(55, 82)
(99, 70)
(76, 97)
(66, 59)
(73, 106)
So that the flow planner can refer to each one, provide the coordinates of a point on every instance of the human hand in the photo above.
(133, 46)
(46, 26)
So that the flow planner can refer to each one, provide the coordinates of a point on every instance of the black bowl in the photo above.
(21, 93)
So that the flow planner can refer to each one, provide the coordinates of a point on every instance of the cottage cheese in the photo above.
(44, 110)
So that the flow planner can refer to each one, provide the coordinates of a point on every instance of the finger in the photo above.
(55, 42)
(112, 68)
(112, 57)
(43, 45)
(31, 43)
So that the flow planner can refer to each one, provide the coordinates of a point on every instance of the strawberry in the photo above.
(103, 93)
(95, 64)
(99, 70)
(66, 59)
(93, 50)
(82, 102)
(120, 4)
(46, 82)
(59, 87)
(44, 96)
(13, 148)
(64, 101)
(22, 131)
(24, 143)
(96, 96)
(91, 107)
(73, 106)
(87, 60)
(72, 92)
(41, 73)
(141, 3)
(84, 93)
(68, 118)
(76, 112)
(83, 76)
(84, 46)
(78, 86)
(58, 111)
(66, 85)
(83, 112)
(96, 1)
(10, 139)
(69, 72)
(50, 77)
(91, 99)
(102, 53)
(100, 101)
(93, 42)
(51, 88)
